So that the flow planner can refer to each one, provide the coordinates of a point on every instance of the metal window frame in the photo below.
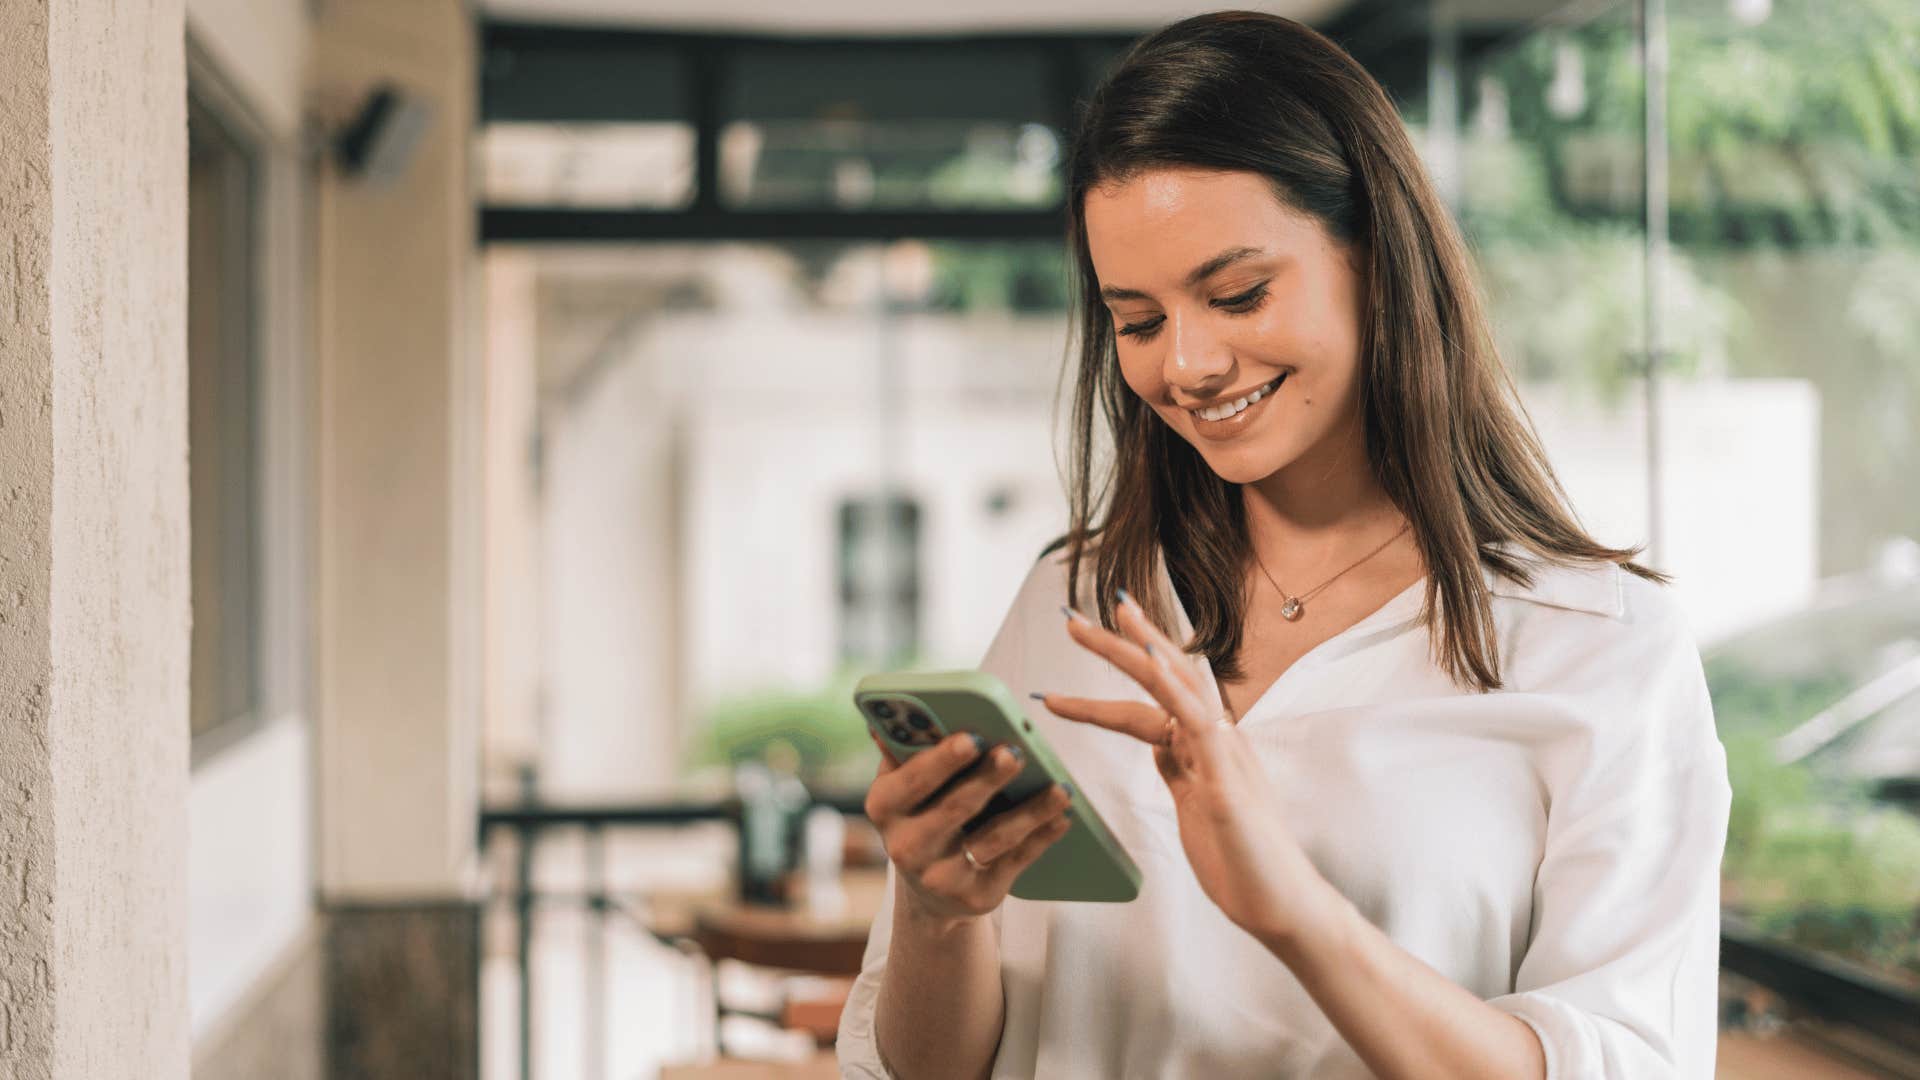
(212, 93)
(281, 491)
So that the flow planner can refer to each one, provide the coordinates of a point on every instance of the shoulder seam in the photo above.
(1568, 588)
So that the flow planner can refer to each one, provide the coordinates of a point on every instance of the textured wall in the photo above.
(93, 544)
(26, 527)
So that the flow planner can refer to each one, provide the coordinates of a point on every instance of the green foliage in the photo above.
(999, 277)
(1811, 859)
(1804, 129)
(1833, 873)
(980, 180)
(1570, 308)
(1796, 137)
(1747, 701)
(817, 724)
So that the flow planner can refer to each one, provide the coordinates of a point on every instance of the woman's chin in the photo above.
(1245, 465)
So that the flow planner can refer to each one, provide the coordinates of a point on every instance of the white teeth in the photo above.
(1221, 412)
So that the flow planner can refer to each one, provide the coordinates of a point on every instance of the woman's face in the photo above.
(1218, 292)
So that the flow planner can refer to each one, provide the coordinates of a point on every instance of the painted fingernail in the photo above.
(1072, 614)
(1068, 788)
(1038, 695)
(1151, 652)
(979, 744)
(1124, 598)
(1014, 753)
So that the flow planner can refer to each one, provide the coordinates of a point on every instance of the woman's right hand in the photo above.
(922, 835)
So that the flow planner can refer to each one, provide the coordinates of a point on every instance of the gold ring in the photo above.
(971, 861)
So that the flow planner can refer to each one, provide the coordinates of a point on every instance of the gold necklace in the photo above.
(1295, 606)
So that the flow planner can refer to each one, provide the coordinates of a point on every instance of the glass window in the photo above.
(863, 165)
(600, 165)
(1795, 140)
(1772, 456)
(223, 379)
(1550, 172)
(943, 127)
(879, 581)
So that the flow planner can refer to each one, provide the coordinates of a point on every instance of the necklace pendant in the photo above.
(1292, 609)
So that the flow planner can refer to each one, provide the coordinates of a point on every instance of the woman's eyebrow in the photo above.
(1194, 277)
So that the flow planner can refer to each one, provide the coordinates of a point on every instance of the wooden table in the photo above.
(795, 938)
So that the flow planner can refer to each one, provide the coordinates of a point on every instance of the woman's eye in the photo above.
(1245, 302)
(1238, 305)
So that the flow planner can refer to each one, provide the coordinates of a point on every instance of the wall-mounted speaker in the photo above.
(380, 141)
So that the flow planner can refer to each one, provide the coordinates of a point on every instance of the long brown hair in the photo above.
(1446, 434)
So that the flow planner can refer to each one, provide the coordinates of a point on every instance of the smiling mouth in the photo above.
(1226, 410)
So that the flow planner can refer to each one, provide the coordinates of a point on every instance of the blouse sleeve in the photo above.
(1620, 976)
(855, 1045)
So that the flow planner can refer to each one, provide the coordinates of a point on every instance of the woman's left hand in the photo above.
(1231, 823)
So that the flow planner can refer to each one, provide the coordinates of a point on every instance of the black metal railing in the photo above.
(1826, 987)
(527, 823)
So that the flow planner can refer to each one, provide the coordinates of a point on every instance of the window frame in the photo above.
(271, 328)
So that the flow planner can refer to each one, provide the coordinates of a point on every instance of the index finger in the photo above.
(907, 786)
(1141, 629)
(887, 763)
(1148, 665)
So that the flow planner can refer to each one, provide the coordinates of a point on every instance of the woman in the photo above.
(1421, 779)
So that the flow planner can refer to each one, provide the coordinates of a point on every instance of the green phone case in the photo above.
(1086, 863)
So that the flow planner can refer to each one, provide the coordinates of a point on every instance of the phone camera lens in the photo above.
(882, 709)
(919, 721)
(899, 733)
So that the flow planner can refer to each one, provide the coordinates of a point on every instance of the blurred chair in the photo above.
(814, 955)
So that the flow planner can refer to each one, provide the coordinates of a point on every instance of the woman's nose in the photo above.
(1195, 355)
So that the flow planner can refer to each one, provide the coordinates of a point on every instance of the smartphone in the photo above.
(911, 712)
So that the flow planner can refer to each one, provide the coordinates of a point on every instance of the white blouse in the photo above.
(1554, 847)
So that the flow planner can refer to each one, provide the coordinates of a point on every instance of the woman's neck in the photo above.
(1318, 507)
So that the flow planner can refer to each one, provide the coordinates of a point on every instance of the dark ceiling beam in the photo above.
(548, 73)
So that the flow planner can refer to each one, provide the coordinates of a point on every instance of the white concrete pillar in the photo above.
(398, 613)
(512, 560)
(94, 619)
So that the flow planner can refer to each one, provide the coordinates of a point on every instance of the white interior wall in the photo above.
(511, 671)
(610, 595)
(249, 865)
(1740, 487)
